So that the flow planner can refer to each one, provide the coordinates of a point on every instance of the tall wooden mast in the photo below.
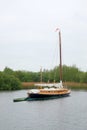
(41, 75)
(60, 53)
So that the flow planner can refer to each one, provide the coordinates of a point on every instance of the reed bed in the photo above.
(75, 85)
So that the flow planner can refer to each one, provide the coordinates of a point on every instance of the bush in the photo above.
(9, 82)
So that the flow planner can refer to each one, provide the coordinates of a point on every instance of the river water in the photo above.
(68, 113)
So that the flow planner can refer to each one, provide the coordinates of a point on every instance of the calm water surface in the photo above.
(69, 113)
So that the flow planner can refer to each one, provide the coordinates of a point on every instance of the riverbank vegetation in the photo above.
(14, 80)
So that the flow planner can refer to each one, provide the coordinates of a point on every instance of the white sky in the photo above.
(28, 38)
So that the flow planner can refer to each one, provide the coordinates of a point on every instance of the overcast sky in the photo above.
(28, 38)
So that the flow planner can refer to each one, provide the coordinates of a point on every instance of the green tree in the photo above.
(9, 82)
(8, 71)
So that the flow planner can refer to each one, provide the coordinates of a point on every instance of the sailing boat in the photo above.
(51, 90)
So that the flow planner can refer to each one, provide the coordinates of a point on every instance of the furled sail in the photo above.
(57, 85)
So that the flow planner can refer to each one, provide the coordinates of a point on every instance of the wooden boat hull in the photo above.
(37, 95)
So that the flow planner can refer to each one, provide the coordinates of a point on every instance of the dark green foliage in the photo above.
(25, 76)
(84, 78)
(71, 73)
(8, 71)
(9, 82)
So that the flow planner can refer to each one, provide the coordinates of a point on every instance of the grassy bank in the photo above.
(71, 85)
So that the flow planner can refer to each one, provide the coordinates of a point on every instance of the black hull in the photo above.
(45, 96)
